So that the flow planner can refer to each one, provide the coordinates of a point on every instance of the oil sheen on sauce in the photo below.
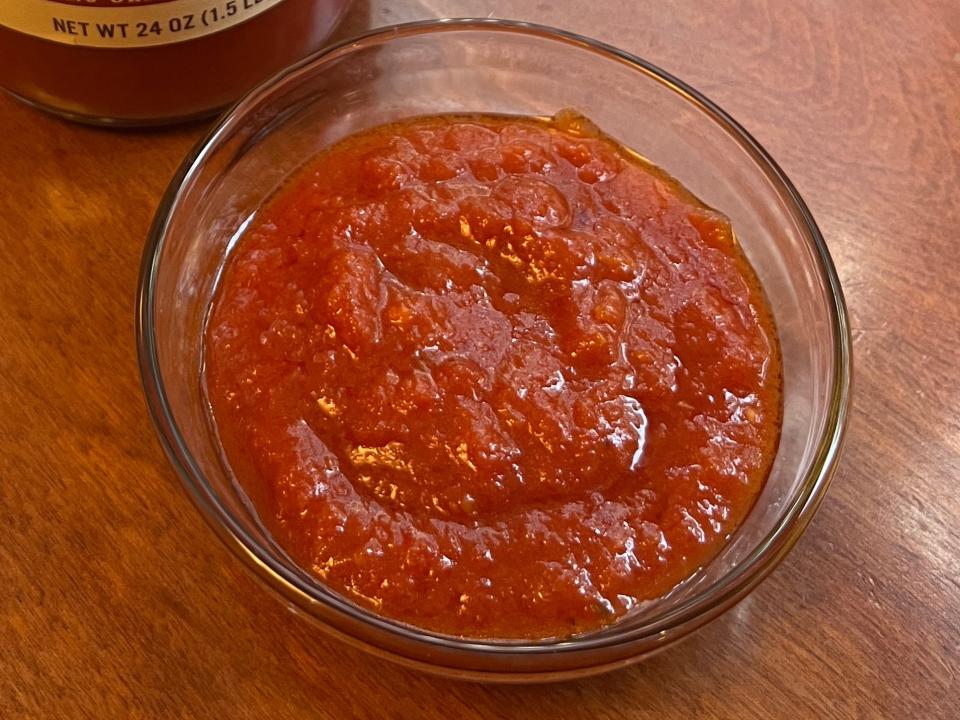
(494, 376)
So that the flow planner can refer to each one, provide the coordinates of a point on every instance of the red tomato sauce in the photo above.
(493, 376)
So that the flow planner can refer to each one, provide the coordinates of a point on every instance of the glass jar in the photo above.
(147, 62)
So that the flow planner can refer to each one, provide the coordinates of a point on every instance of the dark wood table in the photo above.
(117, 601)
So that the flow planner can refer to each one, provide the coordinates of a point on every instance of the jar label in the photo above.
(126, 23)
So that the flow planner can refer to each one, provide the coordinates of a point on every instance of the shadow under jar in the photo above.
(495, 67)
(152, 62)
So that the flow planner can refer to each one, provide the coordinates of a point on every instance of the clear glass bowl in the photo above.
(493, 66)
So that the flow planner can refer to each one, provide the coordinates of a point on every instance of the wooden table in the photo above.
(117, 601)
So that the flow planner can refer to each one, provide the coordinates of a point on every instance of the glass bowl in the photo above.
(492, 66)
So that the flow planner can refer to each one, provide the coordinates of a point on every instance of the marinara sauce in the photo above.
(493, 376)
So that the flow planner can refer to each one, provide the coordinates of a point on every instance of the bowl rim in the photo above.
(678, 621)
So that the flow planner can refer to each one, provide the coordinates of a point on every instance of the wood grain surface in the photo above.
(116, 600)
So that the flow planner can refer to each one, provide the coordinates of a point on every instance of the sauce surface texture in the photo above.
(494, 377)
